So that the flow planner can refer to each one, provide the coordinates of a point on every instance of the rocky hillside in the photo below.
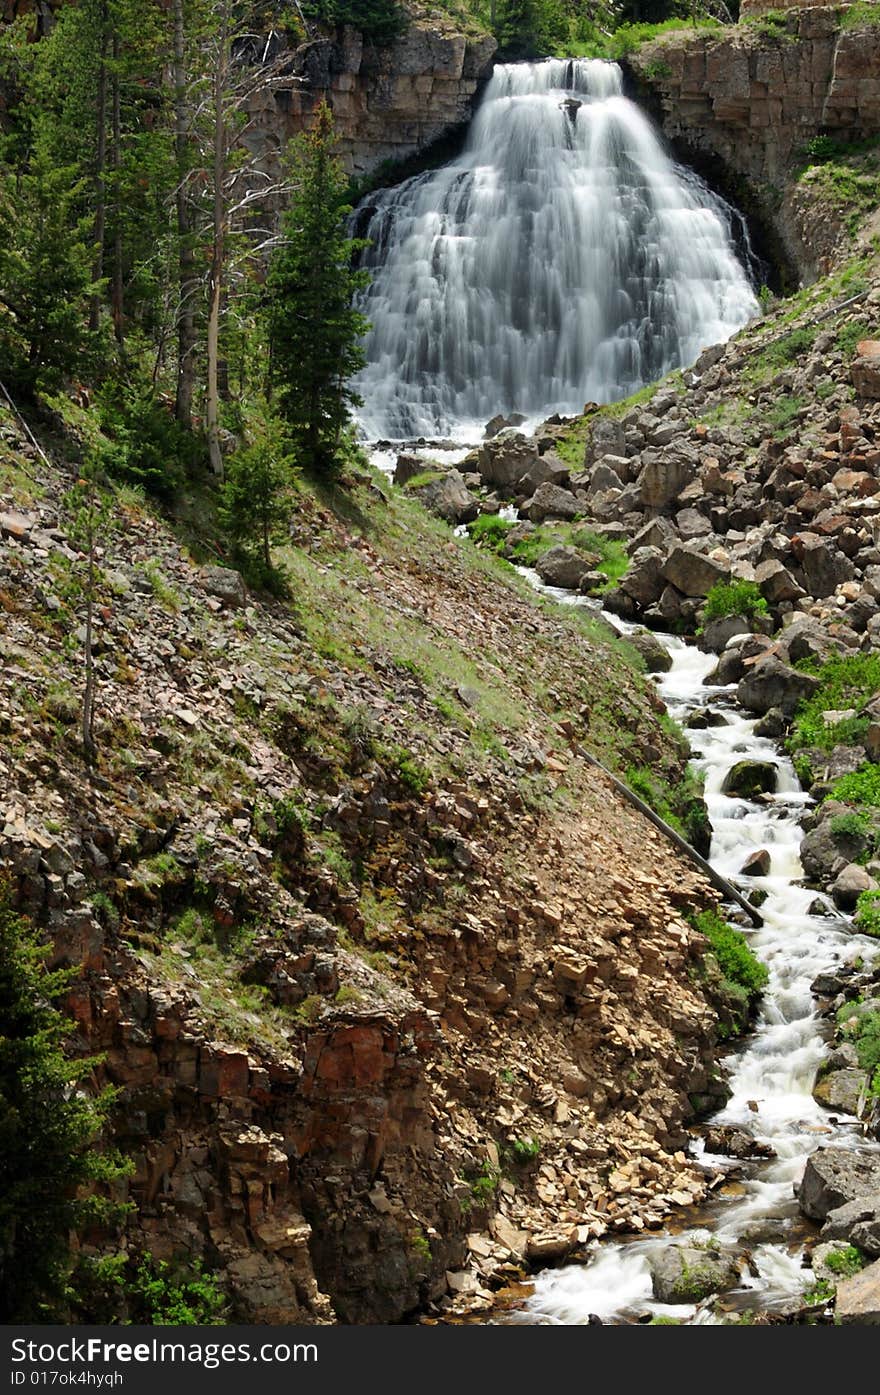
(397, 994)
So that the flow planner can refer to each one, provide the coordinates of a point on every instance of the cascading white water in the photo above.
(772, 1078)
(562, 257)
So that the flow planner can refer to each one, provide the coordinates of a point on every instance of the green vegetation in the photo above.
(867, 917)
(680, 805)
(491, 533)
(168, 1295)
(861, 15)
(846, 174)
(523, 1150)
(773, 26)
(734, 598)
(380, 21)
(781, 353)
(315, 351)
(849, 825)
(860, 1023)
(820, 1292)
(483, 1183)
(845, 1262)
(255, 506)
(846, 682)
(743, 973)
(53, 1173)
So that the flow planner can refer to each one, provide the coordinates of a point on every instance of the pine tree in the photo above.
(47, 1130)
(314, 328)
(254, 507)
(45, 275)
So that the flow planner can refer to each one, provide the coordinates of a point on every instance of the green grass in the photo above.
(861, 1025)
(784, 352)
(845, 174)
(425, 477)
(845, 681)
(630, 38)
(862, 15)
(862, 787)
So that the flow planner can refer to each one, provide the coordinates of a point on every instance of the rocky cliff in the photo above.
(743, 102)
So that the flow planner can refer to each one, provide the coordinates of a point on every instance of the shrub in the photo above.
(867, 916)
(175, 1296)
(850, 825)
(734, 598)
(490, 531)
(736, 960)
(144, 443)
(861, 787)
(862, 1026)
(845, 681)
(524, 1150)
(48, 1130)
(846, 1261)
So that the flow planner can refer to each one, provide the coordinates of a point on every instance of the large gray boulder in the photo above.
(771, 683)
(835, 1177)
(858, 1222)
(841, 1090)
(823, 565)
(607, 437)
(821, 848)
(848, 886)
(546, 469)
(666, 472)
(692, 572)
(549, 501)
(750, 777)
(226, 586)
(449, 498)
(564, 566)
(687, 1273)
(776, 583)
(858, 1298)
(602, 477)
(644, 581)
(505, 460)
(657, 658)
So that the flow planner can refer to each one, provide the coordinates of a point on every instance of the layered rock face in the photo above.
(744, 103)
(389, 103)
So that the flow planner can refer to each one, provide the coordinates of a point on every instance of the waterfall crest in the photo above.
(562, 257)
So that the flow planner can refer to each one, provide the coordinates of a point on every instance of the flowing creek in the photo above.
(772, 1073)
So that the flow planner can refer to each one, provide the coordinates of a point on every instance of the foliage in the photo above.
(849, 825)
(255, 506)
(143, 443)
(734, 598)
(46, 278)
(845, 1262)
(867, 917)
(529, 28)
(861, 787)
(49, 1124)
(680, 805)
(845, 681)
(162, 1294)
(314, 329)
(861, 1024)
(736, 959)
(524, 1150)
(380, 21)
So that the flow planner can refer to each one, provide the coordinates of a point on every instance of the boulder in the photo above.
(500, 423)
(563, 566)
(757, 864)
(705, 717)
(226, 585)
(408, 466)
(858, 1298)
(841, 1090)
(693, 573)
(858, 1222)
(866, 369)
(772, 724)
(823, 565)
(449, 498)
(607, 437)
(687, 1274)
(547, 469)
(776, 583)
(733, 1142)
(602, 478)
(771, 683)
(666, 472)
(821, 848)
(834, 1177)
(718, 633)
(848, 886)
(656, 657)
(750, 777)
(505, 460)
(659, 532)
(549, 501)
(644, 580)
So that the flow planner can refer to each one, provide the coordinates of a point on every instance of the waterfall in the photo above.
(562, 257)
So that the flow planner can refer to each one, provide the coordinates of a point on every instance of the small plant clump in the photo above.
(734, 598)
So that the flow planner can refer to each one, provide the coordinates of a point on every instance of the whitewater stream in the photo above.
(562, 257)
(772, 1075)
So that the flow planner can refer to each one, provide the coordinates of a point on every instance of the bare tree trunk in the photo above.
(215, 284)
(100, 172)
(88, 703)
(116, 158)
(186, 321)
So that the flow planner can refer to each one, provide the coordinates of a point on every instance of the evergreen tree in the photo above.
(45, 274)
(254, 508)
(47, 1130)
(530, 28)
(314, 328)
